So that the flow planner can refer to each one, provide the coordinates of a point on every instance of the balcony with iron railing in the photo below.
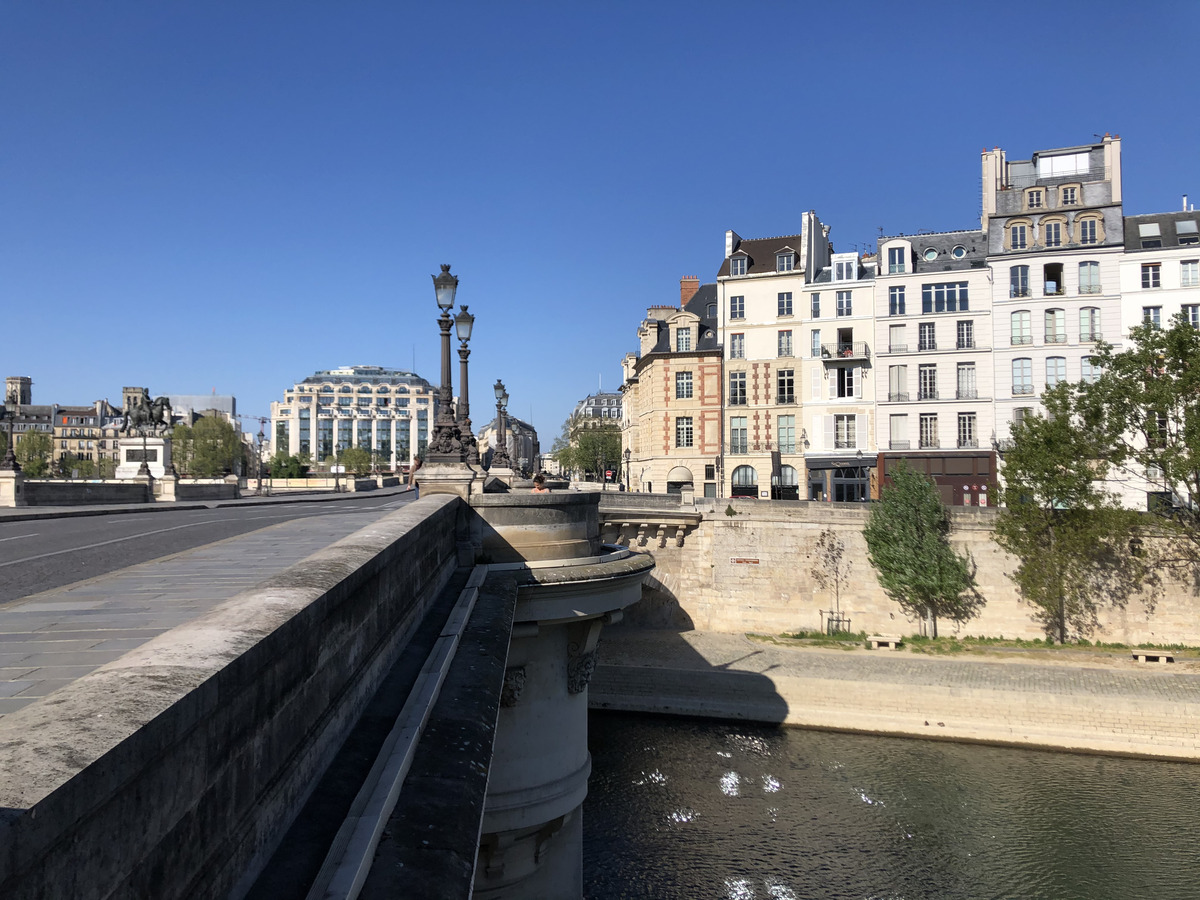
(927, 394)
(968, 443)
(1022, 339)
(844, 443)
(898, 396)
(967, 394)
(1022, 390)
(844, 350)
(897, 348)
(1015, 292)
(930, 443)
(1090, 337)
(899, 445)
(1060, 338)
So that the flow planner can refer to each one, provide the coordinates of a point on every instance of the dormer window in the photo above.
(1070, 196)
(785, 262)
(737, 265)
(1151, 235)
(896, 260)
(845, 269)
(1035, 199)
(1186, 232)
(683, 340)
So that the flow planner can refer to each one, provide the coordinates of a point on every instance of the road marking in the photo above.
(17, 537)
(106, 543)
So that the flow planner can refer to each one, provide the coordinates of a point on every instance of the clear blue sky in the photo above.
(231, 195)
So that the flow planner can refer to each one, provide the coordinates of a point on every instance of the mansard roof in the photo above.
(761, 253)
(1175, 229)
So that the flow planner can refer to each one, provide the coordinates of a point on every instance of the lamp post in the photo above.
(628, 486)
(463, 324)
(500, 454)
(10, 463)
(445, 446)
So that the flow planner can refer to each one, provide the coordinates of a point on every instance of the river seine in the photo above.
(682, 808)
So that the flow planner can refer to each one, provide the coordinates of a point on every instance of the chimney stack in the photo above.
(688, 286)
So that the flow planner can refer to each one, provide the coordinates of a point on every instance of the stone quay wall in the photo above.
(50, 492)
(746, 565)
(172, 771)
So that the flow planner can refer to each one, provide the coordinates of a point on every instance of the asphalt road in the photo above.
(40, 554)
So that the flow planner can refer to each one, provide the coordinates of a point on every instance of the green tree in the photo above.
(66, 464)
(215, 446)
(590, 450)
(33, 453)
(286, 466)
(3, 443)
(1143, 414)
(181, 449)
(908, 543)
(356, 460)
(106, 468)
(1074, 543)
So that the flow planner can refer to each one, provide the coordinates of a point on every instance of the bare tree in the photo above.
(831, 571)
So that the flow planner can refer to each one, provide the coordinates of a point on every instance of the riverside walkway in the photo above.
(52, 638)
(1087, 702)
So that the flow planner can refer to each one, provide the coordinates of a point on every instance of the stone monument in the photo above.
(144, 445)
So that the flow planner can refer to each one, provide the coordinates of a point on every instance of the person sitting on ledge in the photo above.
(539, 484)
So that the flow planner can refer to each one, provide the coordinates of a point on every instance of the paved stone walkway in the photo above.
(50, 639)
(1107, 703)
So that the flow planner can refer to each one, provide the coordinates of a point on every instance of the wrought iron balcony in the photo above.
(898, 396)
(967, 443)
(930, 443)
(927, 394)
(1021, 390)
(1056, 338)
(897, 348)
(899, 445)
(967, 394)
(843, 350)
(1022, 339)
(1090, 337)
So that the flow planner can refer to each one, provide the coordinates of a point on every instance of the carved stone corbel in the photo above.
(581, 654)
(661, 537)
(514, 685)
(641, 535)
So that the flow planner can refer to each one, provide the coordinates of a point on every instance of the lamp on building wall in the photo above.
(446, 445)
(500, 454)
(463, 323)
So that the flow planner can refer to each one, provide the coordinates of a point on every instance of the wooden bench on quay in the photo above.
(1153, 656)
(884, 642)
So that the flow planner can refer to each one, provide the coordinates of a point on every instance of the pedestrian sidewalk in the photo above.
(1104, 704)
(50, 639)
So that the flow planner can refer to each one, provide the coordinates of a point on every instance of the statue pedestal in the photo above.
(449, 478)
(157, 456)
(164, 488)
(503, 473)
(12, 488)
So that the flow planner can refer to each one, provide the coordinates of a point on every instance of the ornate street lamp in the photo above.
(463, 324)
(10, 464)
(628, 453)
(445, 446)
(500, 458)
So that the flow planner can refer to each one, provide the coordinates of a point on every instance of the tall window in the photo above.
(898, 384)
(1189, 273)
(967, 436)
(1018, 237)
(1021, 327)
(737, 265)
(785, 386)
(737, 434)
(1152, 315)
(966, 382)
(1056, 326)
(1089, 324)
(737, 346)
(1089, 278)
(785, 303)
(1192, 312)
(683, 385)
(1089, 372)
(1022, 377)
(898, 432)
(845, 432)
(815, 346)
(896, 300)
(1052, 234)
(683, 340)
(737, 388)
(896, 340)
(1087, 230)
(844, 303)
(815, 305)
(1056, 370)
(929, 430)
(927, 382)
(1070, 196)
(1018, 281)
(947, 297)
(895, 260)
(784, 262)
(966, 335)
(785, 343)
(683, 431)
(849, 382)
(1151, 275)
(926, 336)
(1034, 199)
(737, 307)
(786, 431)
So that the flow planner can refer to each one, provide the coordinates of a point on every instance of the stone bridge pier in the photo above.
(569, 586)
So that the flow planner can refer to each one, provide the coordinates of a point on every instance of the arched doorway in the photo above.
(679, 478)
(744, 482)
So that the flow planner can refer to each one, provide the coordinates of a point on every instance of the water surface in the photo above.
(682, 808)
